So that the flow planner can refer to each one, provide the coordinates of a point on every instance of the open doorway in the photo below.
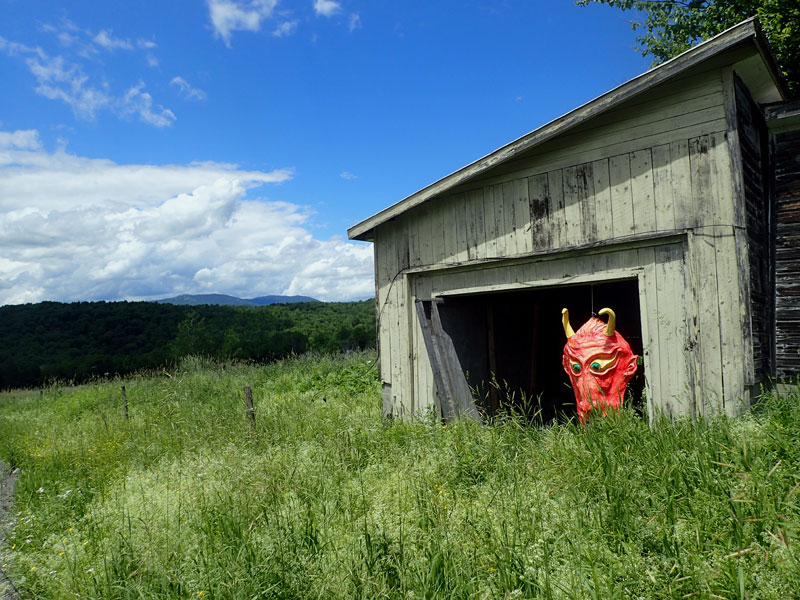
(515, 339)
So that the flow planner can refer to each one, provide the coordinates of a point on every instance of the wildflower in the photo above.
(201, 593)
(40, 490)
(61, 554)
(85, 543)
(90, 570)
(33, 568)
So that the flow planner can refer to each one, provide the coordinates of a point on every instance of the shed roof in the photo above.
(747, 32)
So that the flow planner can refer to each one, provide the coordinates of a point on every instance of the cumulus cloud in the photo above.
(186, 90)
(77, 228)
(228, 16)
(326, 8)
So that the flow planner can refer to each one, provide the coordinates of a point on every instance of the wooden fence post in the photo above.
(251, 410)
(125, 403)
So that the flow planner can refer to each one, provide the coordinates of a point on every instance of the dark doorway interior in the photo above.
(518, 337)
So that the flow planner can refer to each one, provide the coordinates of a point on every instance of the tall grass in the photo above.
(324, 499)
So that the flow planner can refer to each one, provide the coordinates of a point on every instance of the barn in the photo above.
(674, 199)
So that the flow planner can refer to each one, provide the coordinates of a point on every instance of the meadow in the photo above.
(325, 499)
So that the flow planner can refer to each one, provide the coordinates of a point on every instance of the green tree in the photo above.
(672, 26)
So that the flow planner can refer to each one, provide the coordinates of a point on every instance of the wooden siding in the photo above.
(752, 137)
(786, 161)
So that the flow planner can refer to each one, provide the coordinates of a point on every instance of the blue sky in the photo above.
(154, 148)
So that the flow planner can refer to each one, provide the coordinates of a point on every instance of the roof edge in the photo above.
(739, 33)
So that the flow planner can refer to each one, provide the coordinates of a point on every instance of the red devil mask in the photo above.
(599, 363)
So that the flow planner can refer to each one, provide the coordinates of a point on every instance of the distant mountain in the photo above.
(225, 300)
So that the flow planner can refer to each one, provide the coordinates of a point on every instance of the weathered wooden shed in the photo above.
(674, 199)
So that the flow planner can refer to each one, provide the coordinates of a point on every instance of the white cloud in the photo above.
(27, 139)
(228, 16)
(137, 102)
(347, 175)
(75, 228)
(285, 28)
(185, 88)
(64, 79)
(326, 8)
(354, 22)
(109, 42)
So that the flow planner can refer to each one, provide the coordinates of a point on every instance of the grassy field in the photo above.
(324, 499)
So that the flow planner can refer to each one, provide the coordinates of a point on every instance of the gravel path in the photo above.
(7, 481)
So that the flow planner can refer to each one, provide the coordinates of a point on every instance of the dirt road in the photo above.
(7, 481)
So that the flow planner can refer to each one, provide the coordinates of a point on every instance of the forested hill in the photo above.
(78, 341)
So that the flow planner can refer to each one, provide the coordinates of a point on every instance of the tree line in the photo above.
(85, 340)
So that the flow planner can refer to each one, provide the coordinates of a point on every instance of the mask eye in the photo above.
(601, 364)
(576, 368)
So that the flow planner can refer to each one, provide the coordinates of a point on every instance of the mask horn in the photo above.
(612, 321)
(565, 322)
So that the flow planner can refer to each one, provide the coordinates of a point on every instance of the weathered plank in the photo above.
(572, 208)
(462, 228)
(662, 189)
(651, 328)
(642, 191)
(681, 177)
(557, 221)
(476, 235)
(539, 193)
(603, 206)
(522, 216)
(585, 189)
(621, 197)
(490, 222)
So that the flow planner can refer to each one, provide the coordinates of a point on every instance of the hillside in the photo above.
(324, 499)
(80, 341)
(225, 300)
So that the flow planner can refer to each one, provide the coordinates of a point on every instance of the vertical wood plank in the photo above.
(675, 390)
(662, 189)
(384, 250)
(436, 217)
(620, 179)
(604, 211)
(477, 231)
(731, 334)
(462, 229)
(652, 347)
(412, 227)
(424, 231)
(522, 216)
(500, 220)
(539, 194)
(644, 209)
(572, 207)
(558, 223)
(585, 180)
(709, 360)
(510, 222)
(680, 173)
(425, 395)
(490, 222)
(703, 201)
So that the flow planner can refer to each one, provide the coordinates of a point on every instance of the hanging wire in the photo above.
(591, 288)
